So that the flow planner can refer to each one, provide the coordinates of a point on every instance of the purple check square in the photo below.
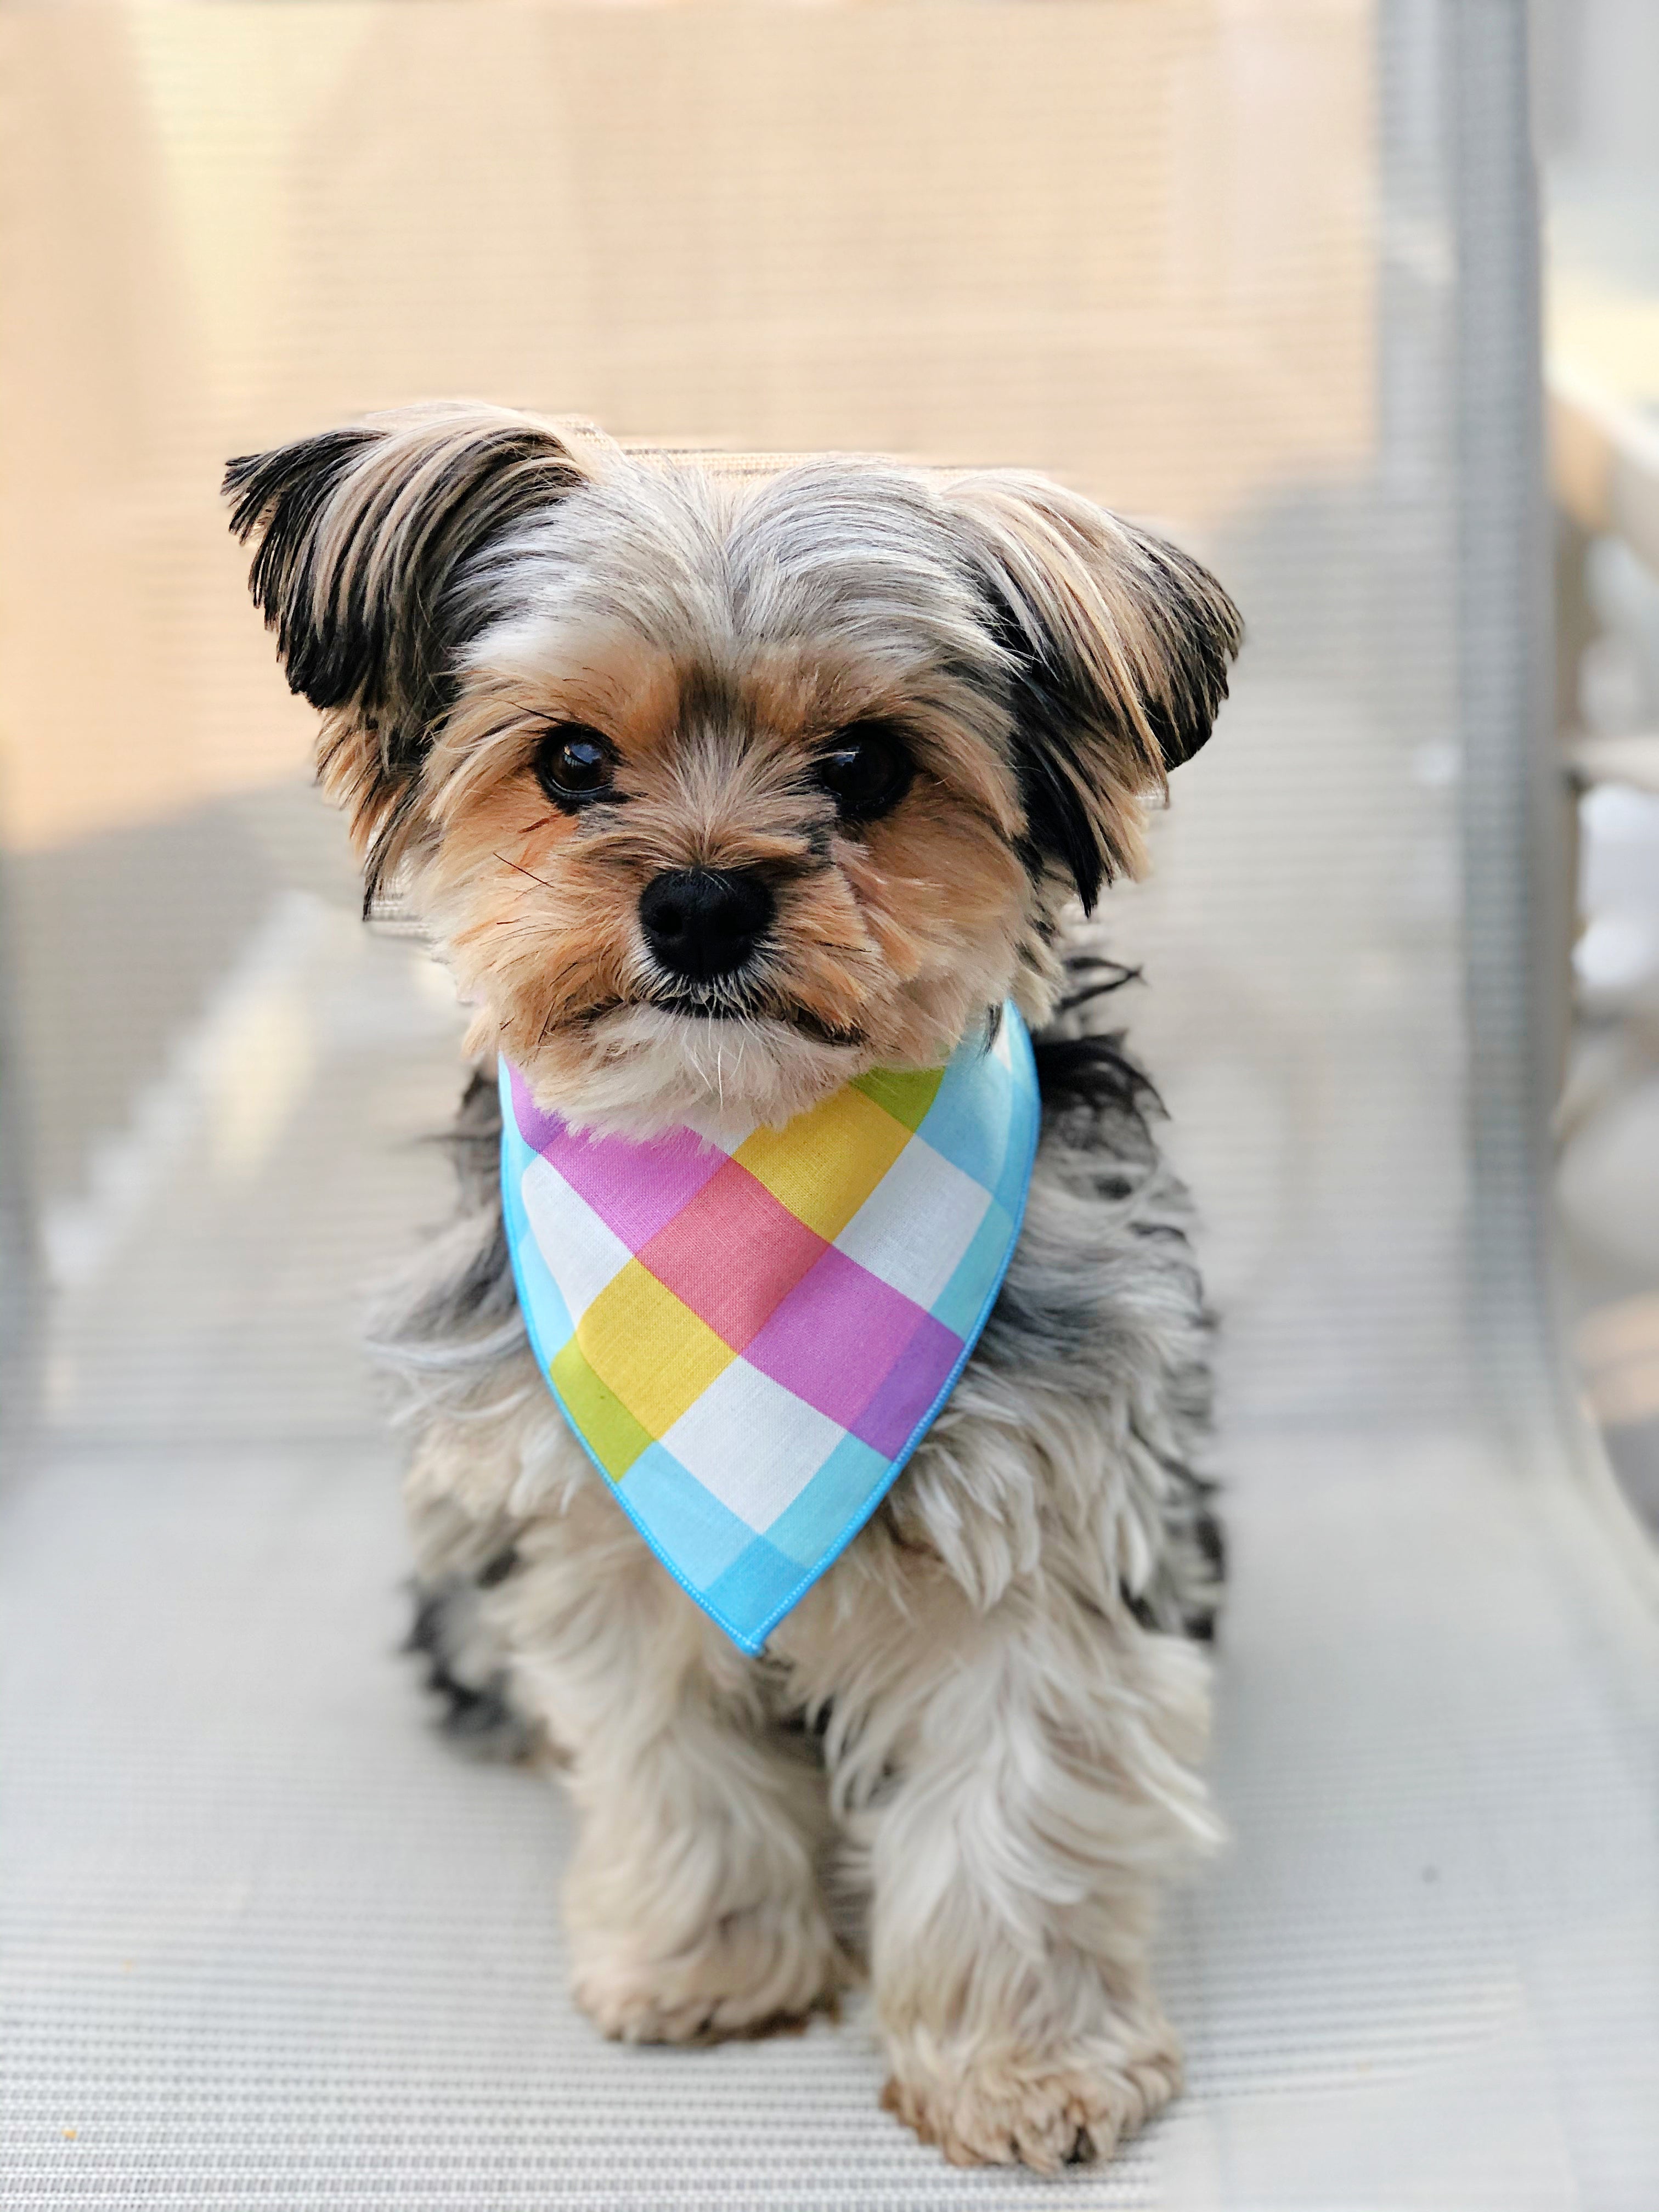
(842, 1340)
(908, 1390)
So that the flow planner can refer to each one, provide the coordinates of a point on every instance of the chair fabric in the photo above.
(1266, 273)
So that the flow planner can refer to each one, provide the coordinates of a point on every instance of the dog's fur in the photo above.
(983, 1723)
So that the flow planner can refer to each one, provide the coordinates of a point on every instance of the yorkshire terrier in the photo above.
(891, 728)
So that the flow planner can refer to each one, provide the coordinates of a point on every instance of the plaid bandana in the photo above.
(751, 1337)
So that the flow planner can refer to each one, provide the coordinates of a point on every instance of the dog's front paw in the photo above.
(758, 1973)
(1009, 2110)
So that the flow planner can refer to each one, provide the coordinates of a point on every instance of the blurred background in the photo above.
(1270, 273)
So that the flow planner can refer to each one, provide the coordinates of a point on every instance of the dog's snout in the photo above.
(704, 922)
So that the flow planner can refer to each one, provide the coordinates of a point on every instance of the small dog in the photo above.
(894, 723)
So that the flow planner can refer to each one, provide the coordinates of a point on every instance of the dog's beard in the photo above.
(641, 1066)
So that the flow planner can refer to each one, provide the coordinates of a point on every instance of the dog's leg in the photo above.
(693, 1900)
(1020, 1778)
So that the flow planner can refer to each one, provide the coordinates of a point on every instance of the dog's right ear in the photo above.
(1117, 646)
(368, 540)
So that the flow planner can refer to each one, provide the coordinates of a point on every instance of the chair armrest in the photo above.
(1604, 464)
(1632, 760)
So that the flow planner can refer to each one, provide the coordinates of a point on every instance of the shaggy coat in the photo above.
(888, 726)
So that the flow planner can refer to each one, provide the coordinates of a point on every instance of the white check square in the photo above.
(913, 1229)
(753, 1443)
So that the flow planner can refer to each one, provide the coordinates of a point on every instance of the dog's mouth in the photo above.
(798, 1018)
(733, 1009)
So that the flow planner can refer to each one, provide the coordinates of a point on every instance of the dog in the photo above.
(896, 726)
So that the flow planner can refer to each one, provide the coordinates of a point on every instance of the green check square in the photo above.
(614, 1437)
(905, 1093)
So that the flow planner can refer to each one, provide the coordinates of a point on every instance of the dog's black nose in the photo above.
(704, 922)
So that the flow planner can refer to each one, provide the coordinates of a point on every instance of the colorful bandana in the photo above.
(750, 1339)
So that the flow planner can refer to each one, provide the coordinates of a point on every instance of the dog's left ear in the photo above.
(1117, 646)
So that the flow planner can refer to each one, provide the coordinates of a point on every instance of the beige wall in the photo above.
(1125, 242)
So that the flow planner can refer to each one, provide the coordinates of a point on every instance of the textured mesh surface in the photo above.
(267, 1941)
(270, 1943)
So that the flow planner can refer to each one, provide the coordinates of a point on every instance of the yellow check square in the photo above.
(649, 1349)
(826, 1163)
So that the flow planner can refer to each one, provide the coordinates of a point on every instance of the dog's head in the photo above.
(719, 789)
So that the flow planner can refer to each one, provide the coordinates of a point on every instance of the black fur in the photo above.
(1201, 632)
(476, 1709)
(1099, 1105)
(1051, 722)
(381, 634)
(288, 491)
(1058, 706)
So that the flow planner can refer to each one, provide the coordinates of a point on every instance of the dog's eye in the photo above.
(574, 762)
(866, 770)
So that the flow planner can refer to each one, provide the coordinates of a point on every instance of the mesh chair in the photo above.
(1268, 275)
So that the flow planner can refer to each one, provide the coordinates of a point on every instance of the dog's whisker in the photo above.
(523, 871)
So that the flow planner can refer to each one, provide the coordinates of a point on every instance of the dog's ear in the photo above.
(1118, 646)
(367, 569)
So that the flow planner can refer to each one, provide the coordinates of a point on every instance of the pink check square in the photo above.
(693, 1254)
